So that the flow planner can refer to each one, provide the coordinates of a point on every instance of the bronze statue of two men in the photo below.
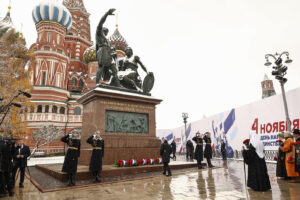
(119, 72)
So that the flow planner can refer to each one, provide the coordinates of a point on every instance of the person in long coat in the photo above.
(280, 166)
(288, 147)
(254, 157)
(296, 135)
(189, 151)
(173, 145)
(208, 149)
(223, 150)
(8, 152)
(98, 152)
(71, 158)
(199, 149)
(165, 152)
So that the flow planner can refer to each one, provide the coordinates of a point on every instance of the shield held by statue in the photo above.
(148, 83)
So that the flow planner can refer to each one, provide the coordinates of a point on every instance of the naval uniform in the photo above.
(97, 155)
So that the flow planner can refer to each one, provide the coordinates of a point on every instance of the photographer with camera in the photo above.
(73, 153)
(98, 152)
(22, 152)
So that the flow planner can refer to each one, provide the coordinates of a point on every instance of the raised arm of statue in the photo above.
(99, 32)
(137, 60)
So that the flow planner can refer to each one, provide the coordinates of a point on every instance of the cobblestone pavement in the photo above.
(225, 182)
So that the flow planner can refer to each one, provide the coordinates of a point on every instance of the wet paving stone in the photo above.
(226, 181)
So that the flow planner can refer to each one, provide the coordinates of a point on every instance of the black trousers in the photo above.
(22, 174)
(209, 161)
(199, 164)
(6, 182)
(224, 155)
(167, 168)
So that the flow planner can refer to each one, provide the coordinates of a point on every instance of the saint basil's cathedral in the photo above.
(66, 65)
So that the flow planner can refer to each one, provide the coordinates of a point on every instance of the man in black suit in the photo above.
(20, 161)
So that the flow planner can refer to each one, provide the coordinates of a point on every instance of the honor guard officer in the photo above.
(208, 149)
(199, 149)
(71, 159)
(98, 152)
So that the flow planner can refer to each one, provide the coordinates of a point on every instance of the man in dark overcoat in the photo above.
(22, 152)
(7, 151)
(199, 149)
(165, 152)
(296, 135)
(173, 145)
(189, 151)
(208, 149)
(71, 158)
(223, 150)
(98, 152)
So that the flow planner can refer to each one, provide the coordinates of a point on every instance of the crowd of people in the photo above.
(166, 150)
(288, 160)
(13, 161)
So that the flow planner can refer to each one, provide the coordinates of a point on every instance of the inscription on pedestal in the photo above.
(126, 122)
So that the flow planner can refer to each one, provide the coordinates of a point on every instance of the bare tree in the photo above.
(45, 135)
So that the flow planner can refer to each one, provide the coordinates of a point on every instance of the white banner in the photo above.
(266, 117)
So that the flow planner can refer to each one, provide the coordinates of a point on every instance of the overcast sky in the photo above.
(207, 56)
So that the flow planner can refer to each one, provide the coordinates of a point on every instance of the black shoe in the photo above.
(96, 180)
(169, 174)
(210, 166)
(21, 185)
(164, 173)
(200, 167)
(11, 193)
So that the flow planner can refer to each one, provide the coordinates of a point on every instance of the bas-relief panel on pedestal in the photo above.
(126, 122)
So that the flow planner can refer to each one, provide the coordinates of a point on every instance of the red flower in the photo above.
(156, 160)
(275, 158)
(120, 163)
(148, 161)
(290, 158)
(129, 162)
(138, 161)
(246, 141)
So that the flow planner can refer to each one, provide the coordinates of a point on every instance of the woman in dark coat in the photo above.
(98, 152)
(208, 149)
(165, 152)
(280, 166)
(199, 149)
(71, 158)
(258, 178)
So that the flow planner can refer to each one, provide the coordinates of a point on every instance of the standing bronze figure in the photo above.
(105, 53)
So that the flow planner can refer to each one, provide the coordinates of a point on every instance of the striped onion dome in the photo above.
(52, 11)
(90, 54)
(118, 41)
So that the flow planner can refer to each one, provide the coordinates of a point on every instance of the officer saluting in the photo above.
(98, 152)
(71, 159)
(199, 149)
(208, 149)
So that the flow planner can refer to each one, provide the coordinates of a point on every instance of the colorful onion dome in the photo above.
(90, 54)
(52, 11)
(118, 41)
(6, 23)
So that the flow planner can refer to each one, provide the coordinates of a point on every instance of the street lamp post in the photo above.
(185, 116)
(279, 73)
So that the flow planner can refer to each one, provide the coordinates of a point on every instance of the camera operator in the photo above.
(7, 152)
(20, 161)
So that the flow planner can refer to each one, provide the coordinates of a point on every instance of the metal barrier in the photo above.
(269, 154)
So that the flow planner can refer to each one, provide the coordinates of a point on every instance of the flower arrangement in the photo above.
(138, 162)
(296, 143)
